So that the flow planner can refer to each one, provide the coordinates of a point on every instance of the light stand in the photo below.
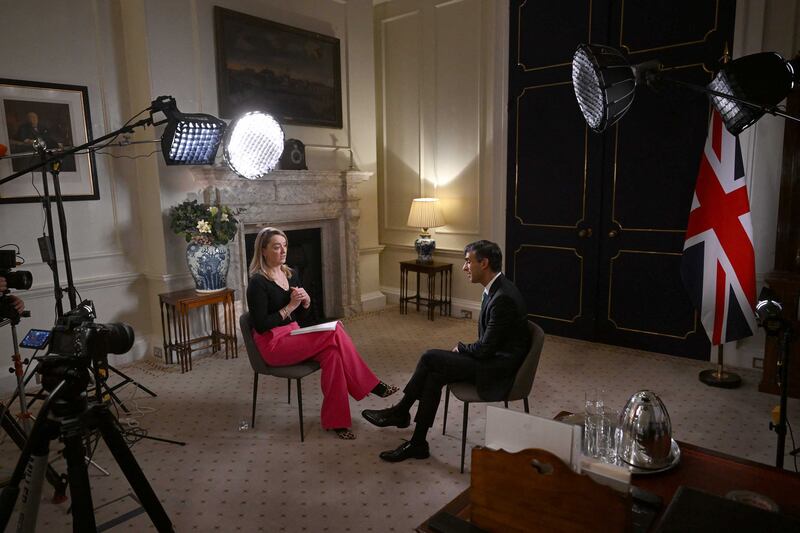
(54, 164)
(785, 337)
(74, 416)
(769, 313)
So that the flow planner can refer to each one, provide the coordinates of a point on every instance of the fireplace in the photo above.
(305, 256)
(298, 200)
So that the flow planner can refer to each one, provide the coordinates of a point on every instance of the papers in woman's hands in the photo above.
(327, 326)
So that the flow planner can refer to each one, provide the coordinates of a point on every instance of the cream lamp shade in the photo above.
(425, 213)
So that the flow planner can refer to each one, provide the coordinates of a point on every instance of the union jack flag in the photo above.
(718, 264)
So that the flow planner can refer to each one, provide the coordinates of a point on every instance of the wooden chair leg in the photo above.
(300, 408)
(255, 394)
(506, 402)
(289, 391)
(464, 434)
(527, 408)
(446, 403)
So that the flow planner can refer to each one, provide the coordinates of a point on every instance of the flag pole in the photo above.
(718, 377)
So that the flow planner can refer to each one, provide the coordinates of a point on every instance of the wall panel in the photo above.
(400, 52)
(455, 177)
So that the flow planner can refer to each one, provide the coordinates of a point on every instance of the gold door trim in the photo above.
(580, 290)
(611, 292)
(526, 68)
(675, 45)
(516, 166)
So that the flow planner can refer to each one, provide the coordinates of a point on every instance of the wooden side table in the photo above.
(175, 308)
(445, 274)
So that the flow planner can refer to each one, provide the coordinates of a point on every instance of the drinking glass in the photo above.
(591, 426)
(607, 435)
(594, 401)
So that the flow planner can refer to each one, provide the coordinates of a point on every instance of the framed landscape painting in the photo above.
(290, 73)
(56, 115)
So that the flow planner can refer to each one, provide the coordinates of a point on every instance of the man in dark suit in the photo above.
(490, 363)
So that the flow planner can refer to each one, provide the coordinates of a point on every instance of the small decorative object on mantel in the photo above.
(425, 213)
(208, 228)
(294, 155)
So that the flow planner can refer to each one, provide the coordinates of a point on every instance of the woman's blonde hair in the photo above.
(258, 264)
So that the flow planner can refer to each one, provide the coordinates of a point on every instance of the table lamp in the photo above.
(425, 213)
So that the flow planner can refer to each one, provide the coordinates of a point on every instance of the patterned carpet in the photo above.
(264, 479)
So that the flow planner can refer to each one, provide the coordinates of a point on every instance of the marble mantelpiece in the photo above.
(298, 199)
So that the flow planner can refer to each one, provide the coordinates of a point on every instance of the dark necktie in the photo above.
(483, 301)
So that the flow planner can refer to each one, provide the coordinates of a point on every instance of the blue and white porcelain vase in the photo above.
(208, 264)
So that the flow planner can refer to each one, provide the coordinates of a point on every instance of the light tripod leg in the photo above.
(111, 393)
(39, 438)
(133, 473)
(126, 379)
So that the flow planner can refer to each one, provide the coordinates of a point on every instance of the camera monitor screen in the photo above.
(36, 339)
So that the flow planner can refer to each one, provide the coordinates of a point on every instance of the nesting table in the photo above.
(176, 309)
(444, 271)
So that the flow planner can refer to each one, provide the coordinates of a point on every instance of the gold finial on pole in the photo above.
(726, 55)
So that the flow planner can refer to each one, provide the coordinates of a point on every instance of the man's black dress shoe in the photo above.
(407, 450)
(387, 417)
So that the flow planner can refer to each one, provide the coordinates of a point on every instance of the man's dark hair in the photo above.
(486, 250)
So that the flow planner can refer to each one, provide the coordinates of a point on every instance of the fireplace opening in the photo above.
(305, 256)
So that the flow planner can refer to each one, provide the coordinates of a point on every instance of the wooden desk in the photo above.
(445, 273)
(702, 469)
(175, 308)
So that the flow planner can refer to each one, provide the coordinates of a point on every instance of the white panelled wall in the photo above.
(128, 52)
(441, 98)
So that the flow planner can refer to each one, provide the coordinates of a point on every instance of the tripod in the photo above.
(69, 416)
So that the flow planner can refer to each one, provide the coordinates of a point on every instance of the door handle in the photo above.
(585, 232)
(613, 233)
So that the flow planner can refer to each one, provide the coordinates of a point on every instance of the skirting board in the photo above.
(458, 304)
(373, 301)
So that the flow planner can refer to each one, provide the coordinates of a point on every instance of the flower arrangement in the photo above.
(204, 223)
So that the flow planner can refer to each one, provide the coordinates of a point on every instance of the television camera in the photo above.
(19, 280)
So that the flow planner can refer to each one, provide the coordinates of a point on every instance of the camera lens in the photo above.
(119, 337)
(20, 280)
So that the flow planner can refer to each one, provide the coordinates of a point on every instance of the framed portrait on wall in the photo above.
(290, 73)
(57, 114)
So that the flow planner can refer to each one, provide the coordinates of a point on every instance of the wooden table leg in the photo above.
(215, 332)
(230, 328)
(441, 292)
(450, 293)
(163, 331)
(186, 346)
(417, 297)
(431, 295)
(402, 289)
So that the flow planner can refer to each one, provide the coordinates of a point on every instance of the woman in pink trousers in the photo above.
(275, 298)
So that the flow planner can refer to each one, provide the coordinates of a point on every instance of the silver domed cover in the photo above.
(646, 432)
